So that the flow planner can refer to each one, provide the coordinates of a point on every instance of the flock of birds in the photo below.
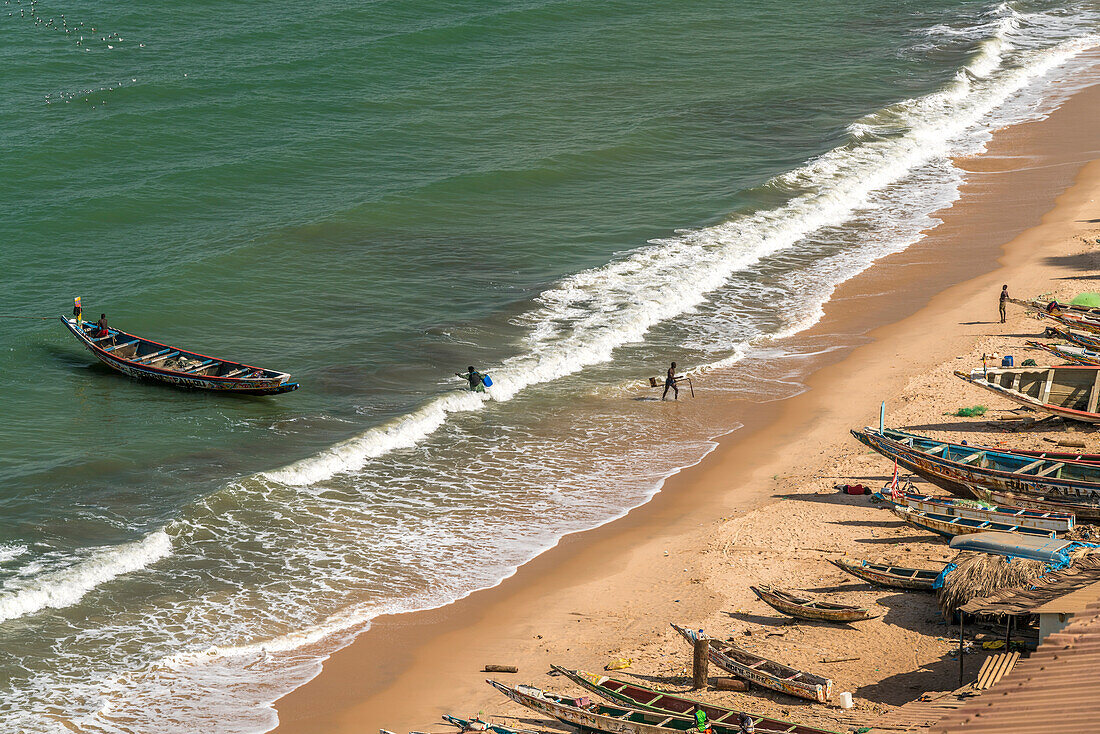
(79, 29)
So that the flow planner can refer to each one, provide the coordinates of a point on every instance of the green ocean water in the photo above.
(373, 196)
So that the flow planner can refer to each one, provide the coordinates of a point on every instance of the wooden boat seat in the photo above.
(971, 458)
(150, 356)
(234, 373)
(101, 338)
(1050, 469)
(936, 450)
(1030, 466)
(164, 357)
(198, 367)
(122, 346)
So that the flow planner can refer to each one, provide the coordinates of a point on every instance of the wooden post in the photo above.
(700, 663)
(961, 664)
(1008, 631)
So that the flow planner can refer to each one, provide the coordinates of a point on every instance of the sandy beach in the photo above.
(762, 507)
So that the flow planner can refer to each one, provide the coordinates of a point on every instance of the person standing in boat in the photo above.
(101, 327)
(1004, 302)
(475, 378)
(670, 384)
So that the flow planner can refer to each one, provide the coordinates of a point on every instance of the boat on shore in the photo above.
(590, 716)
(913, 439)
(890, 577)
(1069, 391)
(1072, 354)
(803, 608)
(960, 469)
(949, 526)
(149, 360)
(1041, 306)
(643, 697)
(1075, 336)
(1056, 520)
(467, 725)
(763, 672)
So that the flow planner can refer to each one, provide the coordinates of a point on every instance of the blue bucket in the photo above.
(1006, 361)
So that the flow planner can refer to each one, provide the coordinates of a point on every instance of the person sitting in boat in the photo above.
(101, 327)
(702, 725)
(475, 378)
(748, 726)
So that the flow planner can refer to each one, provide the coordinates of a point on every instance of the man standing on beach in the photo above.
(1004, 301)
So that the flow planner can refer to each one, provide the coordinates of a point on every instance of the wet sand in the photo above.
(761, 507)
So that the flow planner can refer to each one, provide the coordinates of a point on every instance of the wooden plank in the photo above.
(1030, 466)
(149, 356)
(971, 458)
(1045, 395)
(122, 346)
(1050, 469)
(1095, 394)
(196, 368)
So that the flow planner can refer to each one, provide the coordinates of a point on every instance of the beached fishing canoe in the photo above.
(959, 469)
(803, 608)
(932, 443)
(650, 699)
(150, 360)
(590, 716)
(763, 672)
(1069, 391)
(1041, 306)
(1082, 511)
(890, 577)
(1077, 321)
(1075, 336)
(468, 725)
(1071, 354)
(1056, 520)
(949, 526)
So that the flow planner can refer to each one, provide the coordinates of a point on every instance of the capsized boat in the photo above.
(803, 608)
(1069, 391)
(1071, 354)
(890, 577)
(959, 469)
(651, 699)
(763, 672)
(1056, 520)
(1047, 550)
(590, 716)
(149, 360)
(949, 526)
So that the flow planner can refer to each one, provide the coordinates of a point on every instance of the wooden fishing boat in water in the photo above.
(1069, 391)
(1071, 354)
(890, 577)
(914, 438)
(949, 526)
(803, 608)
(959, 469)
(1056, 520)
(1082, 511)
(590, 716)
(149, 360)
(651, 699)
(763, 672)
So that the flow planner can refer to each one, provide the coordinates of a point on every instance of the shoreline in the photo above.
(407, 669)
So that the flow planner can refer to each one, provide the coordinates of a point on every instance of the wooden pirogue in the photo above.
(150, 360)
(650, 699)
(909, 438)
(1069, 391)
(1083, 511)
(1056, 520)
(1084, 339)
(959, 469)
(1039, 305)
(803, 608)
(1072, 354)
(890, 577)
(466, 725)
(591, 716)
(949, 526)
(763, 672)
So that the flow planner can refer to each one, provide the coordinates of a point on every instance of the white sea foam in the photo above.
(588, 315)
(66, 586)
(11, 551)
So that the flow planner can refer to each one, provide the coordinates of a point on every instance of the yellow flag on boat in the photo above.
(78, 312)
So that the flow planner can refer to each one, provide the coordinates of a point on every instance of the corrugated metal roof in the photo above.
(1085, 572)
(1057, 689)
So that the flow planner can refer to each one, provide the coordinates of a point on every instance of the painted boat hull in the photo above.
(960, 478)
(1071, 380)
(651, 699)
(890, 577)
(1071, 354)
(1082, 511)
(911, 439)
(812, 688)
(1056, 520)
(949, 527)
(269, 383)
(806, 609)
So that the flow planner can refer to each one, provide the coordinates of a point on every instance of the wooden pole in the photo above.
(1008, 632)
(700, 663)
(961, 664)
